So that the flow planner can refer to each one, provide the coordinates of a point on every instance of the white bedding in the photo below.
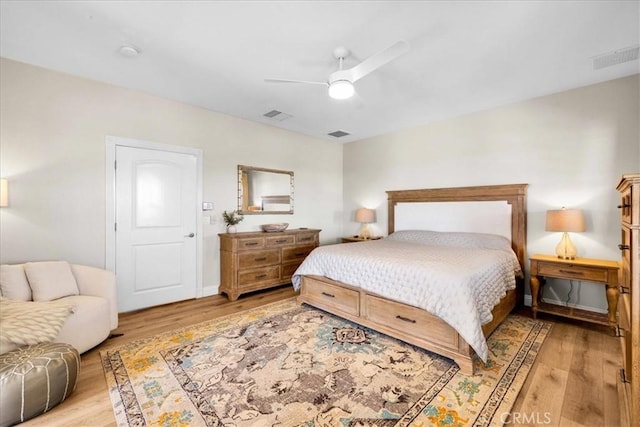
(458, 277)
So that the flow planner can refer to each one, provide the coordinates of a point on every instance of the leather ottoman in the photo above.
(34, 379)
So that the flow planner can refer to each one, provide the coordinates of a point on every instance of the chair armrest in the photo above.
(99, 283)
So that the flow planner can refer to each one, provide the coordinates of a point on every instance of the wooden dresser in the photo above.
(257, 260)
(629, 304)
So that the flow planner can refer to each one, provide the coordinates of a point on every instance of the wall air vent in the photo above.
(616, 57)
(339, 133)
(277, 115)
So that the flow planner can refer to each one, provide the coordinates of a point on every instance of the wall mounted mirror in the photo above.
(264, 191)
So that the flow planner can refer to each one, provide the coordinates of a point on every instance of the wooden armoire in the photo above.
(629, 303)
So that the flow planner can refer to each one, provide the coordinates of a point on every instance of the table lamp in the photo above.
(565, 220)
(365, 216)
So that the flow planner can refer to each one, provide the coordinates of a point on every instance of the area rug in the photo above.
(284, 364)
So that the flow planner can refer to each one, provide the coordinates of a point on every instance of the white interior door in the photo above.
(156, 211)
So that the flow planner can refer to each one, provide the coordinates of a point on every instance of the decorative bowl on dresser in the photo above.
(250, 261)
(272, 228)
(629, 304)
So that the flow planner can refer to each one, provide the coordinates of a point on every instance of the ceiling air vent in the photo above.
(339, 133)
(616, 57)
(277, 115)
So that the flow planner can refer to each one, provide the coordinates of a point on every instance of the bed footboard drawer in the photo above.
(342, 299)
(409, 320)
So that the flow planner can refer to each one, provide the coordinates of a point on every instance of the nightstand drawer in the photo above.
(571, 271)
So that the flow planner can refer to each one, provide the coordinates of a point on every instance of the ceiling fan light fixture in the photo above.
(341, 89)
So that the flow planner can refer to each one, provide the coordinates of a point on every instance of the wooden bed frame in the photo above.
(411, 324)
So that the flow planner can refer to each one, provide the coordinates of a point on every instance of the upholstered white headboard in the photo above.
(514, 196)
(480, 217)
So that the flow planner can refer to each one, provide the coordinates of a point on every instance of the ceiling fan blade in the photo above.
(377, 60)
(295, 81)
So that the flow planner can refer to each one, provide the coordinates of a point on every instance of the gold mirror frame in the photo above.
(276, 184)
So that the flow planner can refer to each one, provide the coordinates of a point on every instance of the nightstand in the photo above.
(590, 270)
(352, 239)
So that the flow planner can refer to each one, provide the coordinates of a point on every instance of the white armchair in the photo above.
(91, 291)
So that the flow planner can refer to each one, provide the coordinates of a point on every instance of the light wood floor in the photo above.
(572, 382)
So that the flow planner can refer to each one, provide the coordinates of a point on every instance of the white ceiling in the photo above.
(465, 56)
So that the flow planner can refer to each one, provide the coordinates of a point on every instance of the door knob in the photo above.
(189, 235)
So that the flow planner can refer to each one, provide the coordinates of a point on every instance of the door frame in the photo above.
(111, 143)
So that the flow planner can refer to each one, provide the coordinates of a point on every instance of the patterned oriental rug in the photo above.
(289, 365)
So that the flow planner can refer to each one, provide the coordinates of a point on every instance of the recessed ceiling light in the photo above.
(129, 51)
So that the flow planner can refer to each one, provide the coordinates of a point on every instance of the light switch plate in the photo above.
(207, 206)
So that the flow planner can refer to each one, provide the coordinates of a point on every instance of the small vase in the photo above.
(231, 229)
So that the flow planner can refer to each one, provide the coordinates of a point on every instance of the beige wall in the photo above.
(570, 147)
(52, 150)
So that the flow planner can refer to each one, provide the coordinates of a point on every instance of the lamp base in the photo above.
(364, 231)
(566, 248)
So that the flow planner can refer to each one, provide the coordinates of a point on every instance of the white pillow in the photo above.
(454, 238)
(13, 283)
(51, 280)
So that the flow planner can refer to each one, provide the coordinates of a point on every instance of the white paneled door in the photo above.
(156, 198)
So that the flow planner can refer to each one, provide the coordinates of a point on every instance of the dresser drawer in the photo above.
(251, 243)
(289, 268)
(577, 272)
(345, 300)
(255, 260)
(256, 276)
(626, 205)
(625, 343)
(258, 258)
(276, 241)
(306, 238)
(297, 253)
(626, 273)
(408, 320)
(624, 311)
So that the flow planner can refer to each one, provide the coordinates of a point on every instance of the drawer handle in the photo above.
(624, 247)
(575, 273)
(281, 241)
(261, 276)
(251, 244)
(327, 294)
(305, 239)
(406, 319)
(624, 206)
(261, 259)
(300, 253)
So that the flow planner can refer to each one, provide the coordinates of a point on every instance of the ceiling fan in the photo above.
(340, 82)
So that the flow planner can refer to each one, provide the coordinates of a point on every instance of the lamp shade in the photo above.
(365, 216)
(4, 193)
(565, 220)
